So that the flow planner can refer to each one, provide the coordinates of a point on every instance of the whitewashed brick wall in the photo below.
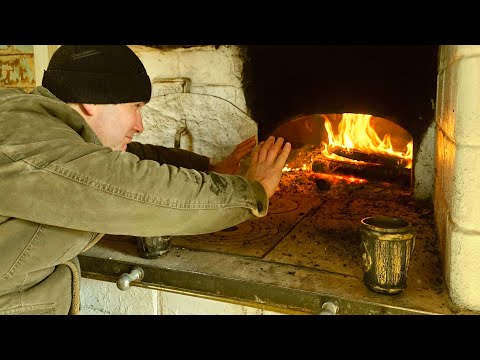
(457, 180)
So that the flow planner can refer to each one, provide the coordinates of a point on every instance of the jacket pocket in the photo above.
(38, 247)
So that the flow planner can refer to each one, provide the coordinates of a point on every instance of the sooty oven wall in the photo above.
(394, 82)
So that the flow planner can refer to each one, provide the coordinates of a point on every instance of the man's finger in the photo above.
(250, 139)
(247, 142)
(282, 158)
(254, 157)
(274, 151)
(265, 148)
(245, 147)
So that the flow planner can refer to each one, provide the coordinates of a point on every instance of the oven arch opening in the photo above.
(347, 145)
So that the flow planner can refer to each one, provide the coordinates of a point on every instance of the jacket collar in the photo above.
(70, 117)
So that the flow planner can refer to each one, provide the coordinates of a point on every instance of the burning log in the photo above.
(390, 161)
(373, 172)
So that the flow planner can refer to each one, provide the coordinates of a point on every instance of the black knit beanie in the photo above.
(97, 74)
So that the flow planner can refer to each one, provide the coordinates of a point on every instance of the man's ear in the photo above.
(89, 109)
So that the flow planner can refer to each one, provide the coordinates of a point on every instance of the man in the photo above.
(66, 179)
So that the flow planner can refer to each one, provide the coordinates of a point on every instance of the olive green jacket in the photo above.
(61, 190)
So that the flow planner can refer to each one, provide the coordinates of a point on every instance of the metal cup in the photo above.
(387, 244)
(153, 247)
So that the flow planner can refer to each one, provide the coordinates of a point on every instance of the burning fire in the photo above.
(356, 141)
(356, 132)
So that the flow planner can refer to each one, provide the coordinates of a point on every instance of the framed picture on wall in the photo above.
(17, 66)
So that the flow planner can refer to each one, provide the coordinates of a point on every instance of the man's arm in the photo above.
(170, 156)
(231, 163)
(191, 160)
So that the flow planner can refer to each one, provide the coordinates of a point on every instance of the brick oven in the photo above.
(391, 82)
(209, 98)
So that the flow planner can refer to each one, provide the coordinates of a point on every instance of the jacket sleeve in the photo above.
(50, 175)
(164, 155)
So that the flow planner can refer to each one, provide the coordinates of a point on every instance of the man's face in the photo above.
(115, 125)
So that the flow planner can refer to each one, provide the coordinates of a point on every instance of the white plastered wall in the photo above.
(424, 168)
(200, 87)
(42, 55)
(457, 177)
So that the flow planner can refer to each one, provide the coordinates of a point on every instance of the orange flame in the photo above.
(356, 132)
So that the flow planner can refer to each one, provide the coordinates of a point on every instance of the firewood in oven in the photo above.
(387, 160)
(368, 171)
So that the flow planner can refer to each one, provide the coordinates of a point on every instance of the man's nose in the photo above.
(138, 127)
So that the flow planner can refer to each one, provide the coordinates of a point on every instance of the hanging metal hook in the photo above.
(181, 131)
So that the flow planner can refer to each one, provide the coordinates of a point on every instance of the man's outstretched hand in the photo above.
(268, 160)
(231, 163)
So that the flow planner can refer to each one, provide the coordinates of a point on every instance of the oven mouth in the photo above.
(392, 82)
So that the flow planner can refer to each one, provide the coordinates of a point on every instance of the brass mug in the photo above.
(153, 247)
(387, 246)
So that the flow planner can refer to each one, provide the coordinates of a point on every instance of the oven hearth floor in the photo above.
(318, 229)
(308, 244)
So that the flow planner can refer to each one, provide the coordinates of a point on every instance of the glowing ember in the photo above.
(337, 178)
(304, 167)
